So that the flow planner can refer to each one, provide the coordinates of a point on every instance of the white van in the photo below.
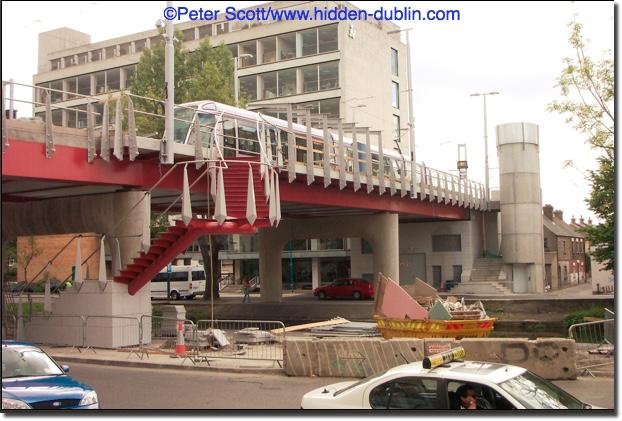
(181, 282)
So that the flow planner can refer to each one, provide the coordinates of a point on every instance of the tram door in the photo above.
(247, 140)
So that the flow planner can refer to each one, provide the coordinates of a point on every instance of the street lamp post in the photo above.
(236, 82)
(411, 115)
(486, 168)
(166, 153)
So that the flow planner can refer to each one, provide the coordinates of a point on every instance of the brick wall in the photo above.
(61, 267)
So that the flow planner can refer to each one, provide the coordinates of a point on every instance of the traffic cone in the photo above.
(180, 346)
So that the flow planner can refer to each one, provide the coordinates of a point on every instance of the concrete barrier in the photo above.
(347, 357)
(551, 358)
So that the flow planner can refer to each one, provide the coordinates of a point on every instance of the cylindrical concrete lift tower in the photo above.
(521, 206)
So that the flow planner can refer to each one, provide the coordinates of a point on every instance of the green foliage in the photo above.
(587, 94)
(577, 316)
(204, 74)
(25, 255)
(158, 225)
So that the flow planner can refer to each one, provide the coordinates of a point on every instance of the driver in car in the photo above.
(468, 398)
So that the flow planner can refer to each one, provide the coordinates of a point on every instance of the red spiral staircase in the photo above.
(178, 237)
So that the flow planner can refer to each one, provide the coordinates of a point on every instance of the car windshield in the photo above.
(360, 382)
(537, 393)
(26, 362)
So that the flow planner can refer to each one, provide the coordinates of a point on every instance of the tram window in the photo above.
(374, 163)
(228, 129)
(247, 136)
(207, 126)
(183, 117)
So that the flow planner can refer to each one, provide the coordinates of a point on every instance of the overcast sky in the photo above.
(514, 48)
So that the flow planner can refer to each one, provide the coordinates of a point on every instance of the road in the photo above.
(144, 388)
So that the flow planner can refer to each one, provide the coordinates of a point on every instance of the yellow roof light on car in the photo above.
(444, 357)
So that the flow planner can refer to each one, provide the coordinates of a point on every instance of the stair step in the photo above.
(163, 242)
(128, 273)
(172, 236)
(135, 267)
(143, 260)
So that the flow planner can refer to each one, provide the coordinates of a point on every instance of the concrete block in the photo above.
(299, 357)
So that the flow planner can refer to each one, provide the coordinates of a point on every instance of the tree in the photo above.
(26, 254)
(206, 73)
(587, 93)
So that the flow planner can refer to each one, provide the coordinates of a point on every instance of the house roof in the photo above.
(560, 228)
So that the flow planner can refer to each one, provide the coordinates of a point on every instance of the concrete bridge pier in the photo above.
(112, 315)
(380, 230)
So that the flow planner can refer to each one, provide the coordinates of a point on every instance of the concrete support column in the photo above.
(270, 272)
(315, 272)
(129, 225)
(383, 235)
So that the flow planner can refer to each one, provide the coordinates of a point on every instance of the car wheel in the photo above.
(174, 295)
(322, 295)
(356, 295)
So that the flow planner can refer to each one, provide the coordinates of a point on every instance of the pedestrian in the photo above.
(246, 285)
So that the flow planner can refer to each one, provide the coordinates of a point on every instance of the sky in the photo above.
(515, 48)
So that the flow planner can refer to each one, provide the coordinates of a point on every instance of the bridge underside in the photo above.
(28, 175)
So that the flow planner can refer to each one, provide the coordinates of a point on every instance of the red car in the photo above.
(346, 288)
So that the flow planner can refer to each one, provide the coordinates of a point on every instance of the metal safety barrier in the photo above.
(112, 332)
(594, 346)
(159, 334)
(240, 339)
(54, 330)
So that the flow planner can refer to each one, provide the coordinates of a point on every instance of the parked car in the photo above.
(31, 379)
(445, 385)
(346, 288)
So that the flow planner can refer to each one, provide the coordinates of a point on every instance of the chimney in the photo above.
(581, 221)
(573, 221)
(559, 214)
(548, 211)
(589, 221)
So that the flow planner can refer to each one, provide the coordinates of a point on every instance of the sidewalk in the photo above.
(131, 358)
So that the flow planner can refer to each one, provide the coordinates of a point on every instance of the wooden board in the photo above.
(335, 321)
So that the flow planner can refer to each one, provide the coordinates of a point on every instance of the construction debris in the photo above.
(335, 321)
(252, 335)
(357, 329)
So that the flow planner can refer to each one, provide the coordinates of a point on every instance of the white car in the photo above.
(411, 386)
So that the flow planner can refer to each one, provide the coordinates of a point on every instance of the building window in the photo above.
(331, 244)
(129, 75)
(71, 118)
(125, 49)
(113, 80)
(328, 38)
(268, 50)
(96, 55)
(309, 78)
(140, 45)
(234, 50)
(69, 61)
(330, 106)
(365, 247)
(396, 127)
(394, 66)
(457, 269)
(111, 52)
(71, 86)
(308, 42)
(286, 82)
(329, 75)
(222, 28)
(269, 85)
(57, 117)
(546, 244)
(286, 46)
(100, 83)
(249, 47)
(84, 85)
(155, 41)
(83, 58)
(395, 95)
(55, 64)
(446, 242)
(248, 87)
(56, 96)
(205, 31)
(81, 116)
(188, 34)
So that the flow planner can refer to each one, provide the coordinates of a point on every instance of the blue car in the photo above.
(31, 379)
